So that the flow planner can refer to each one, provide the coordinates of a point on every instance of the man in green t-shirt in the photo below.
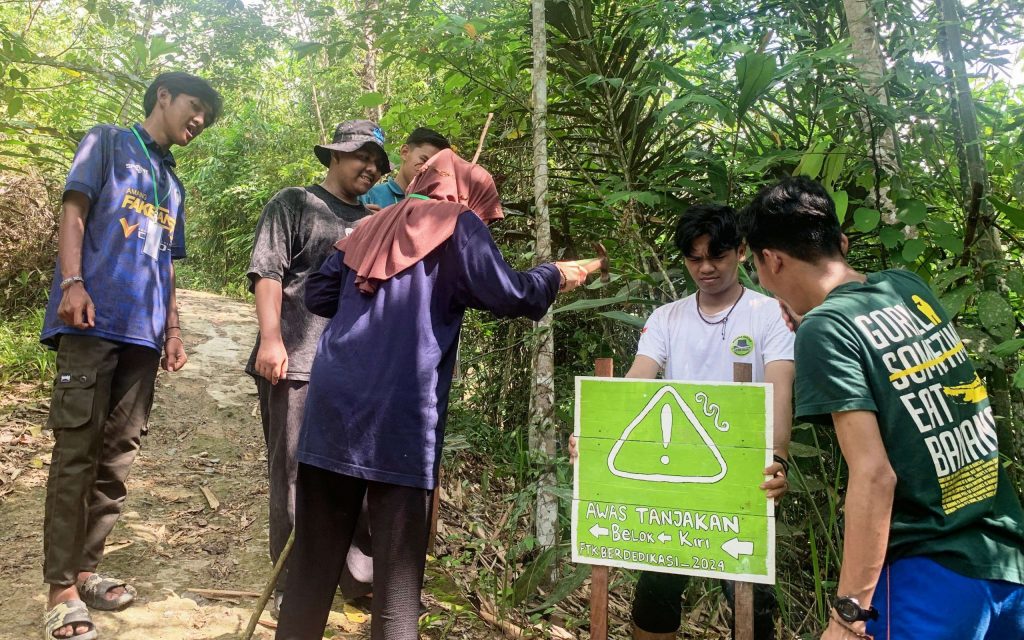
(934, 534)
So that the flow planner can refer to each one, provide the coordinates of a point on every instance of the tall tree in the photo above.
(982, 246)
(542, 399)
(871, 65)
(369, 71)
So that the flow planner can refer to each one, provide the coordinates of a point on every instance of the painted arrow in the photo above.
(597, 531)
(736, 547)
(664, 537)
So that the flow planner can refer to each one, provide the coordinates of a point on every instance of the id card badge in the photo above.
(154, 234)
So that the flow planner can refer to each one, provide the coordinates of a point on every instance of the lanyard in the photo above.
(152, 173)
(418, 196)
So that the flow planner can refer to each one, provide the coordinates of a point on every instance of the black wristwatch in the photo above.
(849, 609)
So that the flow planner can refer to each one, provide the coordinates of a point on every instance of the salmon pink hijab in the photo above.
(401, 235)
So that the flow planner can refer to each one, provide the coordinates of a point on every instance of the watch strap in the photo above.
(846, 625)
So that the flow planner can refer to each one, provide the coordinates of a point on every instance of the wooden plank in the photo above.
(211, 498)
(604, 367)
(738, 488)
(435, 511)
(743, 607)
(223, 593)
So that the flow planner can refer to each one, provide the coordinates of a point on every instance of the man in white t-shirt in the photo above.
(701, 337)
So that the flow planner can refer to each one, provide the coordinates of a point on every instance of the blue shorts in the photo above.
(918, 598)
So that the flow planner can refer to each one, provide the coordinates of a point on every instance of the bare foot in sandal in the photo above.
(76, 629)
(106, 594)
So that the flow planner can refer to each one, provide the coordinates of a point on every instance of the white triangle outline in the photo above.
(661, 477)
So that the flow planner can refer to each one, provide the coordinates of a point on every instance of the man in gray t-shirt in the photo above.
(294, 235)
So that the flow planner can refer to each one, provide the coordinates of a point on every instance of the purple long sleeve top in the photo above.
(378, 391)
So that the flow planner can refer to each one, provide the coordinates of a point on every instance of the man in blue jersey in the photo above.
(111, 315)
(421, 145)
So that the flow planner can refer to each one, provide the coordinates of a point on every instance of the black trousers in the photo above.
(281, 409)
(658, 605)
(327, 507)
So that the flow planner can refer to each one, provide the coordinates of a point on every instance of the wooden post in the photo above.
(604, 368)
(743, 604)
(434, 512)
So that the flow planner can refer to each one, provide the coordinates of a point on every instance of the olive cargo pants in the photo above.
(100, 404)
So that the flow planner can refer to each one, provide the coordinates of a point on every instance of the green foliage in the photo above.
(22, 357)
(652, 105)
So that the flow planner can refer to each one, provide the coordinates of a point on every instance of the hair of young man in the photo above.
(178, 82)
(423, 135)
(717, 221)
(795, 216)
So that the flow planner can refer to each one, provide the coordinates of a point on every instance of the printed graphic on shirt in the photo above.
(128, 229)
(917, 348)
(135, 200)
(742, 346)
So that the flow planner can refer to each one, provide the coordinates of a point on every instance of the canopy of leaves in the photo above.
(654, 104)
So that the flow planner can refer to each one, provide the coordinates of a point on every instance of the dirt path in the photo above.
(204, 432)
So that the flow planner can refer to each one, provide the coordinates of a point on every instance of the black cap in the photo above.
(352, 135)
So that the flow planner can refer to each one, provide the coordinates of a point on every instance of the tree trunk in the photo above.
(981, 239)
(316, 110)
(369, 75)
(867, 50)
(542, 397)
(129, 95)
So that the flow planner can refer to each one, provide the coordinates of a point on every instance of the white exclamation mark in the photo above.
(666, 429)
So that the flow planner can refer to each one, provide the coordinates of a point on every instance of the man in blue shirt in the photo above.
(110, 316)
(421, 145)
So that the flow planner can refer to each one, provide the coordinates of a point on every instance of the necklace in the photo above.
(724, 320)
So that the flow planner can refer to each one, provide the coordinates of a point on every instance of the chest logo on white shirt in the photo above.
(742, 346)
(668, 416)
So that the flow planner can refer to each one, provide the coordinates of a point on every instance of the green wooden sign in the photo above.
(668, 477)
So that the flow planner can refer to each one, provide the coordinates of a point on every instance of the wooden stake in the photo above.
(269, 589)
(483, 134)
(223, 593)
(435, 512)
(211, 497)
(604, 368)
(743, 605)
